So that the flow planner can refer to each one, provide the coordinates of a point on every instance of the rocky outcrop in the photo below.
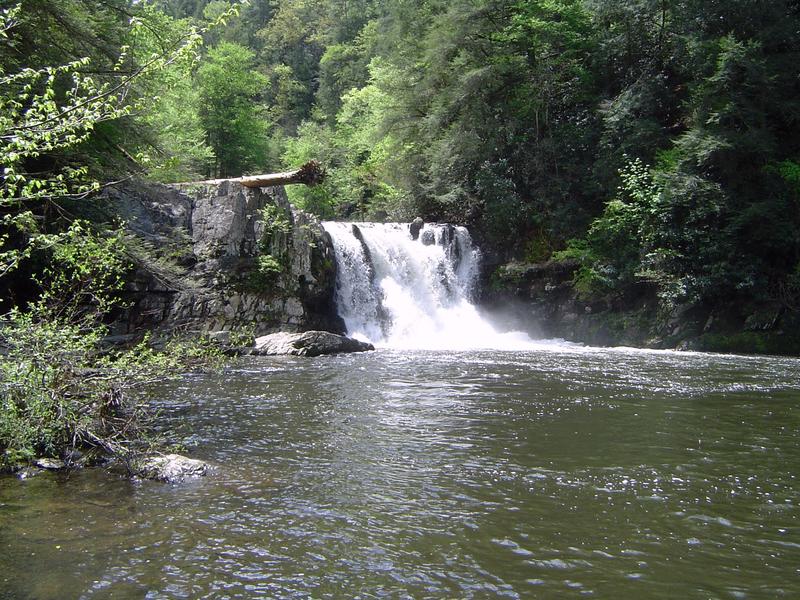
(415, 227)
(218, 256)
(541, 299)
(310, 343)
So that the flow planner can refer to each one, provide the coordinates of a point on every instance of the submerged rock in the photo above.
(310, 343)
(28, 472)
(171, 468)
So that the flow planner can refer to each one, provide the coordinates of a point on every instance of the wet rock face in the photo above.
(415, 227)
(200, 253)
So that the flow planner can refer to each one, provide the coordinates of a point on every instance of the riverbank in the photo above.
(74, 416)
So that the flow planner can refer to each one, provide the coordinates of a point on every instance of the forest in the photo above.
(655, 142)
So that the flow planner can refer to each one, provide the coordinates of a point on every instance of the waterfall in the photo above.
(397, 291)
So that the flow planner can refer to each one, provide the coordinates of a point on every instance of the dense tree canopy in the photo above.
(230, 110)
(654, 140)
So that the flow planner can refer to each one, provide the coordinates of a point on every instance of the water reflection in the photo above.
(543, 474)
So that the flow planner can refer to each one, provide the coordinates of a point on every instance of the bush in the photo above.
(62, 395)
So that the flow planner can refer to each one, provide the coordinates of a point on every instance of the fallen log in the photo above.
(310, 173)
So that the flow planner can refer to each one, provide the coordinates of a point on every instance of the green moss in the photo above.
(538, 247)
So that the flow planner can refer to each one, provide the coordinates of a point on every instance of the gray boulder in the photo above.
(50, 464)
(428, 237)
(171, 468)
(310, 343)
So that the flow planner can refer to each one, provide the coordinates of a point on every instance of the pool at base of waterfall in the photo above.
(556, 472)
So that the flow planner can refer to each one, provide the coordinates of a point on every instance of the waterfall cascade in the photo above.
(399, 291)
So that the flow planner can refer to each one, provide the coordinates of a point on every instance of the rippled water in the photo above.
(556, 473)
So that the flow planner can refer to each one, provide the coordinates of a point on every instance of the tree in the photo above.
(711, 104)
(292, 51)
(357, 152)
(235, 122)
(343, 67)
(173, 146)
(492, 108)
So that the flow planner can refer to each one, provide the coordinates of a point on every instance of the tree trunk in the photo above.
(310, 173)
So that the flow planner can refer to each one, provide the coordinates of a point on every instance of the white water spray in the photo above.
(396, 291)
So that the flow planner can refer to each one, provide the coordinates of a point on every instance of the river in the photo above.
(456, 461)
(556, 472)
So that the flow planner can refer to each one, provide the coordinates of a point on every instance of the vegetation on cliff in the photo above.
(65, 394)
(61, 393)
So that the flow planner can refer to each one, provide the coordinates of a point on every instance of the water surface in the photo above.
(553, 473)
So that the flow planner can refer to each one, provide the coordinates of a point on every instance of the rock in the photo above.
(310, 343)
(51, 464)
(197, 260)
(221, 338)
(764, 319)
(28, 472)
(171, 468)
(428, 237)
(127, 339)
(415, 227)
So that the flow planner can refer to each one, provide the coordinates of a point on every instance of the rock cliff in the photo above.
(217, 256)
(542, 299)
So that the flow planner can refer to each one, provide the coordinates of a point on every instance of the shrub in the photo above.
(62, 395)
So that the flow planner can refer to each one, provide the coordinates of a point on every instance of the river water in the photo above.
(555, 472)
(456, 461)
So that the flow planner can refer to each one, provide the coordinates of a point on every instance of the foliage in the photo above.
(61, 393)
(49, 113)
(711, 101)
(235, 123)
(109, 55)
(610, 256)
(314, 141)
(272, 259)
(357, 154)
(344, 67)
(82, 275)
(275, 222)
(62, 396)
(269, 268)
(498, 89)
(175, 148)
